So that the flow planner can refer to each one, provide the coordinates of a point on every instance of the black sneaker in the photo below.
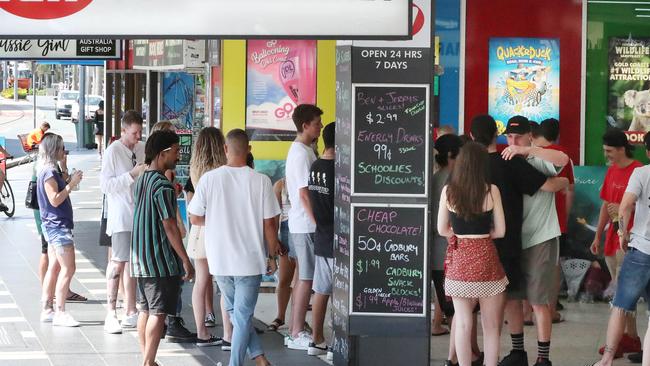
(635, 357)
(225, 345)
(449, 363)
(543, 362)
(212, 341)
(317, 349)
(479, 360)
(515, 358)
(177, 333)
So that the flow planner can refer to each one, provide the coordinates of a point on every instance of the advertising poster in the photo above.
(178, 99)
(628, 104)
(583, 218)
(280, 75)
(524, 79)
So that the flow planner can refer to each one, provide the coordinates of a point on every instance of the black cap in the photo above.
(519, 125)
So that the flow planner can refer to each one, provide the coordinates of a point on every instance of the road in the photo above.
(18, 118)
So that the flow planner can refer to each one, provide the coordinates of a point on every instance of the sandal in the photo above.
(275, 324)
(75, 297)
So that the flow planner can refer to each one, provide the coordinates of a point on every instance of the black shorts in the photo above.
(516, 289)
(43, 244)
(158, 295)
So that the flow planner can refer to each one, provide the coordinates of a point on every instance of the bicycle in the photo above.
(6, 192)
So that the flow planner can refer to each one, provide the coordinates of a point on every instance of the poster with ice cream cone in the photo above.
(524, 79)
(280, 75)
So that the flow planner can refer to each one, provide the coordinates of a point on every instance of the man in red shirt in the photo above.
(618, 152)
(546, 136)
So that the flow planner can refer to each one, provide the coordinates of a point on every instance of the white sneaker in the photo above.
(330, 356)
(301, 342)
(111, 324)
(47, 315)
(287, 339)
(130, 321)
(317, 349)
(63, 319)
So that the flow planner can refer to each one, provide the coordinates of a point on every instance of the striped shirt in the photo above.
(151, 252)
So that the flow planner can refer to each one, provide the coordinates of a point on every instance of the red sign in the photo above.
(43, 9)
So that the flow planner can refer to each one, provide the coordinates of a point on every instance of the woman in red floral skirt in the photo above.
(470, 215)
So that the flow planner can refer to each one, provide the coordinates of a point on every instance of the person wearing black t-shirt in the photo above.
(321, 195)
(514, 178)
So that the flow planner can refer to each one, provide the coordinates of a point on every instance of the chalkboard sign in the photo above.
(390, 143)
(388, 260)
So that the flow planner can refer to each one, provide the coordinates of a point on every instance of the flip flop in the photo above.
(75, 297)
(275, 324)
(445, 332)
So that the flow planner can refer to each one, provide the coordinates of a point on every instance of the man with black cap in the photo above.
(539, 236)
(634, 276)
(515, 179)
(618, 152)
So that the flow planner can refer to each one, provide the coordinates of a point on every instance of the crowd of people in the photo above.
(234, 239)
(500, 232)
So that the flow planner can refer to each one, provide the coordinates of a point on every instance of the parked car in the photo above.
(92, 103)
(64, 101)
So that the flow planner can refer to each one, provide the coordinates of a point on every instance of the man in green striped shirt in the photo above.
(158, 258)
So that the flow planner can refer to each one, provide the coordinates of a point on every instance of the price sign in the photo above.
(390, 145)
(389, 260)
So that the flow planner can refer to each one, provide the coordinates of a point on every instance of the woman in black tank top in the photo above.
(471, 215)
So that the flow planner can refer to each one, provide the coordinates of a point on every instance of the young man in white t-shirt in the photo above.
(123, 163)
(302, 225)
(238, 209)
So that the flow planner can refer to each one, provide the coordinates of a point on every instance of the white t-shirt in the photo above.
(299, 162)
(235, 202)
(639, 185)
(117, 184)
(540, 222)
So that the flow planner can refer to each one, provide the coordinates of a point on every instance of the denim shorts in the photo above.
(287, 245)
(58, 236)
(633, 280)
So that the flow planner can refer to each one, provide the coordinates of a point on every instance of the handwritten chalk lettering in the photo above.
(415, 109)
(365, 266)
(370, 215)
(391, 247)
(371, 136)
(404, 272)
(399, 257)
(404, 137)
(395, 230)
(405, 292)
(368, 244)
(364, 168)
(395, 181)
(404, 150)
(399, 282)
(383, 152)
(380, 118)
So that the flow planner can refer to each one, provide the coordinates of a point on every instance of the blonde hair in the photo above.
(49, 149)
(163, 126)
(209, 153)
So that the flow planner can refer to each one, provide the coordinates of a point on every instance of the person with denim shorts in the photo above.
(237, 221)
(634, 275)
(57, 223)
(302, 225)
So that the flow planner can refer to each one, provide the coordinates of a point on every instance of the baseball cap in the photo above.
(518, 124)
